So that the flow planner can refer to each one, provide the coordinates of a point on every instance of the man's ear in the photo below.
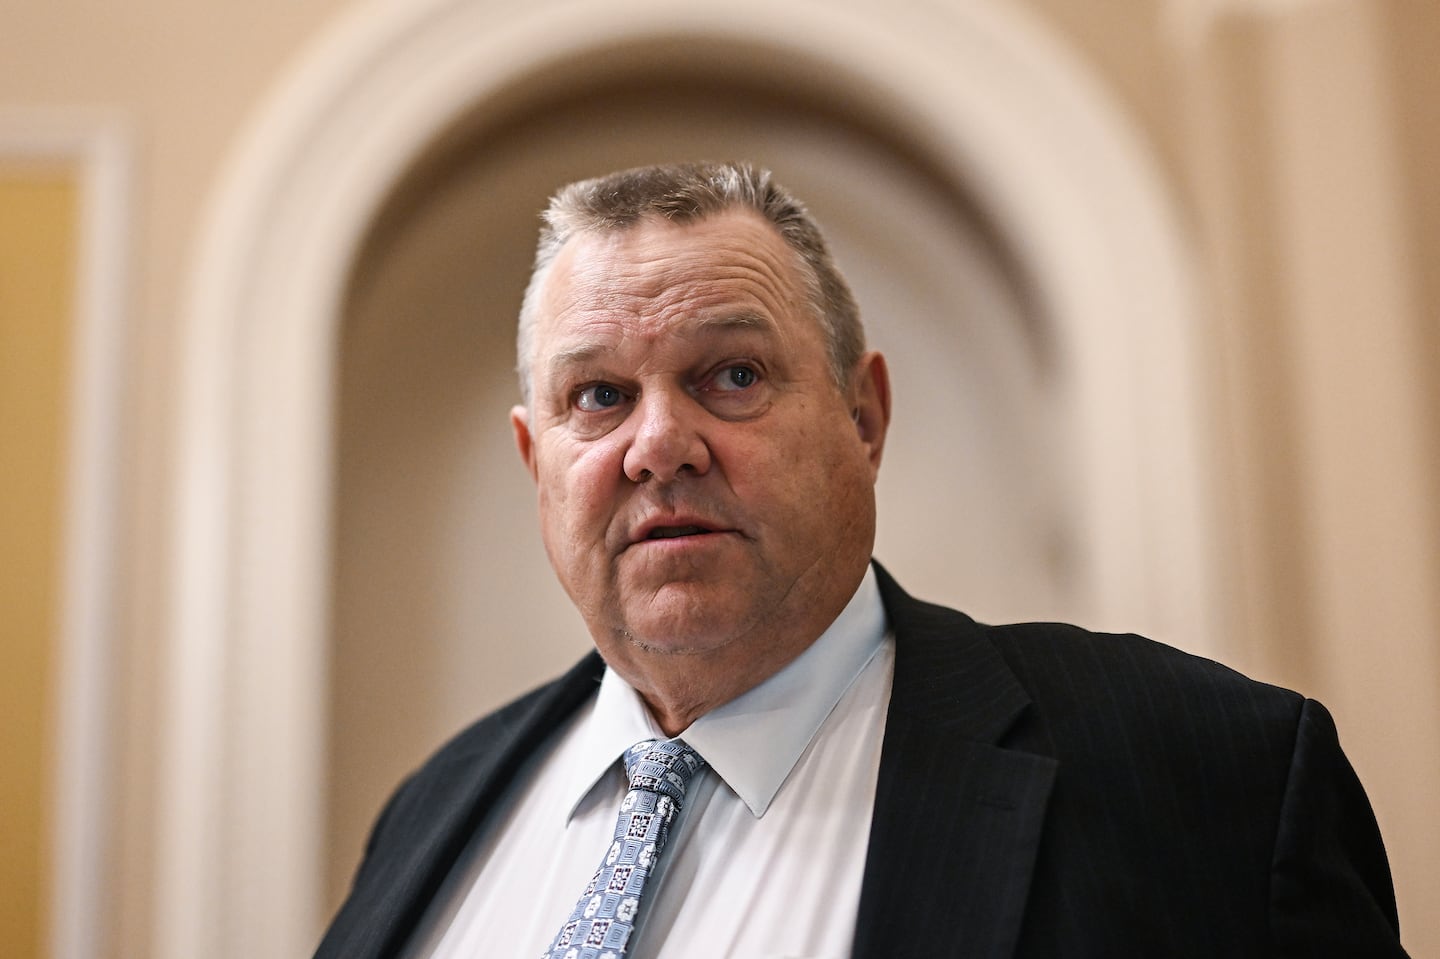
(524, 442)
(870, 403)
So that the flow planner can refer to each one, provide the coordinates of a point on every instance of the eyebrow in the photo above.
(586, 351)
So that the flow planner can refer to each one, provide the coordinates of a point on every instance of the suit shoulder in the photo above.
(1070, 655)
(540, 708)
(489, 749)
(1088, 684)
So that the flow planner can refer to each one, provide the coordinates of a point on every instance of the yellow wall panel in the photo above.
(38, 209)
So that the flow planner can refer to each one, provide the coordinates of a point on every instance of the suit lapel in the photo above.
(952, 844)
(957, 817)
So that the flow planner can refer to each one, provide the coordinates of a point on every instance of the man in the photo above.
(863, 774)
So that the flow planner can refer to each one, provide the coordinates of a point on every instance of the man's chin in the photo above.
(683, 617)
(671, 647)
(684, 638)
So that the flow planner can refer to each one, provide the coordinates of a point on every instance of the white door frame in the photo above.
(95, 149)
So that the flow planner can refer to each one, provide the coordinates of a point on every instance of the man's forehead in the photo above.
(729, 271)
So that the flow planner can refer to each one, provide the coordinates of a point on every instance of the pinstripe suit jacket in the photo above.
(1086, 795)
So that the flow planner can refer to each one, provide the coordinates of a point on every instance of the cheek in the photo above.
(821, 484)
(577, 499)
(782, 488)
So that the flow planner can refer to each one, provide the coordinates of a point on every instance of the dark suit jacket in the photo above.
(1080, 795)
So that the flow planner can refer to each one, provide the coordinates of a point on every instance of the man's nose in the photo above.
(667, 441)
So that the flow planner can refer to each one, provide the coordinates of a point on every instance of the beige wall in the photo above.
(183, 78)
(1299, 140)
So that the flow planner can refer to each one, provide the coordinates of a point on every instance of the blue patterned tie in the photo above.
(599, 926)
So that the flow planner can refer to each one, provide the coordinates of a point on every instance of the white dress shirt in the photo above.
(767, 855)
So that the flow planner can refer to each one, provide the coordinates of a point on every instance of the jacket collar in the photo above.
(952, 843)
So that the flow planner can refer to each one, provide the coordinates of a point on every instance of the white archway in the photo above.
(989, 95)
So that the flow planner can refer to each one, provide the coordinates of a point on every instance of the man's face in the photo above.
(705, 487)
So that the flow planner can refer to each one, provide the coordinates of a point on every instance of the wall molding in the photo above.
(993, 98)
(97, 148)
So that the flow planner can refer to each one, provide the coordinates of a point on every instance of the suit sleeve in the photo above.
(1330, 887)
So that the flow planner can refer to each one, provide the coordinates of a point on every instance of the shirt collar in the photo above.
(755, 740)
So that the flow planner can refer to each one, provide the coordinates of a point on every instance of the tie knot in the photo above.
(662, 766)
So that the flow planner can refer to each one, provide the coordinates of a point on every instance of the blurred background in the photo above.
(1156, 279)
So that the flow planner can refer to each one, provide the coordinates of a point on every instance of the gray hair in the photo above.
(685, 193)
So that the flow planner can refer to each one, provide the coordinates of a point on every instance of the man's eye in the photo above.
(600, 397)
(738, 377)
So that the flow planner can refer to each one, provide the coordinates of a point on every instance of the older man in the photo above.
(775, 751)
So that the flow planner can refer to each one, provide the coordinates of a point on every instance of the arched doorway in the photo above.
(976, 127)
(444, 605)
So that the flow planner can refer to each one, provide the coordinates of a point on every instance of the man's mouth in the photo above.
(672, 532)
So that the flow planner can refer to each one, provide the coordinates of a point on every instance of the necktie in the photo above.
(599, 926)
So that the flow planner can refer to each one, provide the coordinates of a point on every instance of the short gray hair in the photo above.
(685, 193)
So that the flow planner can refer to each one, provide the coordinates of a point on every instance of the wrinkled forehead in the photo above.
(731, 263)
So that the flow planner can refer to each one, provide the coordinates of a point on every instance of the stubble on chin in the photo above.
(688, 633)
(632, 641)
